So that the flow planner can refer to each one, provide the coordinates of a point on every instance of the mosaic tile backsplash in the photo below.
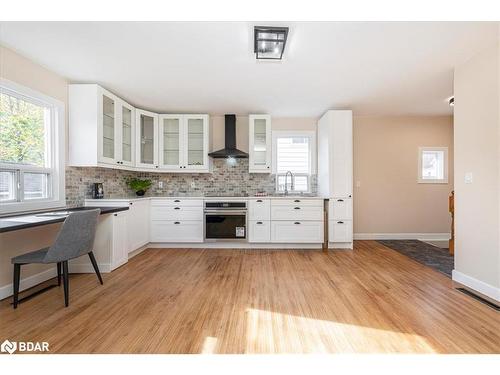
(225, 180)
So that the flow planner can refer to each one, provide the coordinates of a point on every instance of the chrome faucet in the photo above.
(286, 182)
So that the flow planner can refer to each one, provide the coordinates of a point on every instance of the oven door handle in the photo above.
(227, 212)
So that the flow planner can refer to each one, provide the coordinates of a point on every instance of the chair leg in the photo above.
(17, 279)
(96, 268)
(65, 282)
(59, 273)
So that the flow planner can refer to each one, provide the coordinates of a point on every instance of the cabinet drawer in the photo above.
(340, 209)
(297, 202)
(179, 202)
(176, 231)
(176, 213)
(259, 231)
(296, 212)
(259, 209)
(297, 231)
(340, 230)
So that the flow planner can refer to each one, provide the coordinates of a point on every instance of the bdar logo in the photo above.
(8, 347)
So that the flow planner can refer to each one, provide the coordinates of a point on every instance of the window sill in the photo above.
(20, 207)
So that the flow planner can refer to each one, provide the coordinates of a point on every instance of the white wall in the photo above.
(477, 151)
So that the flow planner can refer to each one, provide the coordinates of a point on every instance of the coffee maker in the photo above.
(97, 190)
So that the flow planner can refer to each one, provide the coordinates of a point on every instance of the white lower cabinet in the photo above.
(119, 239)
(176, 220)
(297, 231)
(176, 231)
(138, 224)
(340, 230)
(260, 231)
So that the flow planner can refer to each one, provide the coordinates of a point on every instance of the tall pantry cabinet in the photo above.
(335, 175)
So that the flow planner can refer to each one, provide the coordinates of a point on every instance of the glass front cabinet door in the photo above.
(170, 142)
(146, 139)
(196, 143)
(259, 144)
(108, 133)
(126, 128)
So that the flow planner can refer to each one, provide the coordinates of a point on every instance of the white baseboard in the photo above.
(403, 236)
(478, 285)
(340, 245)
(233, 245)
(28, 282)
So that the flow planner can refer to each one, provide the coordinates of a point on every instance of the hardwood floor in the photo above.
(372, 299)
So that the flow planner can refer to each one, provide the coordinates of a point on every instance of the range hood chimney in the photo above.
(230, 150)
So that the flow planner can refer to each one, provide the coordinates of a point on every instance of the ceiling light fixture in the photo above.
(269, 42)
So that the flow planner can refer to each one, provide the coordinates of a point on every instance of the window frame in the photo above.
(54, 154)
(422, 180)
(311, 134)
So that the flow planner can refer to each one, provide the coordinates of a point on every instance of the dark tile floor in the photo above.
(432, 256)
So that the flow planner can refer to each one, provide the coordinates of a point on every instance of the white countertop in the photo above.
(132, 199)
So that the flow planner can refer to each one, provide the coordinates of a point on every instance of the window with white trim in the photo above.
(294, 152)
(31, 149)
(433, 165)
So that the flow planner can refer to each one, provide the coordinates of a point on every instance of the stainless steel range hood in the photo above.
(230, 150)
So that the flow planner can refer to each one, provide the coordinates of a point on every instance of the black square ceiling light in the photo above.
(269, 42)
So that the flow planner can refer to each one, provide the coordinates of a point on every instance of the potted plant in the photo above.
(139, 186)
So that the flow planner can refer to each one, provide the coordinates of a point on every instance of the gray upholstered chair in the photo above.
(76, 238)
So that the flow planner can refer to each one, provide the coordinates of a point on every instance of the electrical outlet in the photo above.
(468, 178)
(160, 184)
(193, 185)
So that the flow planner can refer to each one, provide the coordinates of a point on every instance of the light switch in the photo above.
(468, 178)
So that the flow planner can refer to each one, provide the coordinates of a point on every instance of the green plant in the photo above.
(137, 184)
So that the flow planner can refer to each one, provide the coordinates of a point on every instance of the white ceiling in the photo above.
(373, 68)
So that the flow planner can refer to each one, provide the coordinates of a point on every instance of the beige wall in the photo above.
(19, 69)
(477, 147)
(389, 199)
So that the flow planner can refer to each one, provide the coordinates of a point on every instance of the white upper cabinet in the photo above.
(259, 144)
(146, 139)
(106, 131)
(183, 143)
(101, 128)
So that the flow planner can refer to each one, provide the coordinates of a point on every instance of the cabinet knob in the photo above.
(267, 167)
(296, 223)
(116, 214)
(131, 203)
(156, 166)
(296, 208)
(180, 166)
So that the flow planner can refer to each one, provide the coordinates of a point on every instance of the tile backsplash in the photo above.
(225, 180)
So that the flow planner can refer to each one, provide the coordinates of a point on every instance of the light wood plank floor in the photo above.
(372, 299)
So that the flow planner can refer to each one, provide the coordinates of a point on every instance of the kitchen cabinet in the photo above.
(259, 144)
(335, 174)
(119, 246)
(146, 139)
(297, 231)
(102, 127)
(183, 143)
(259, 219)
(138, 222)
(176, 220)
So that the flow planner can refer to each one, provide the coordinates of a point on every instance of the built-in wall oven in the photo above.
(225, 220)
